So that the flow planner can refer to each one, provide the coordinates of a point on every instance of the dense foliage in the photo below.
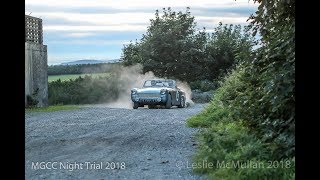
(80, 68)
(84, 90)
(172, 47)
(32, 99)
(257, 99)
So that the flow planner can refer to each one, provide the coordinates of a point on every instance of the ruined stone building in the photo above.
(36, 78)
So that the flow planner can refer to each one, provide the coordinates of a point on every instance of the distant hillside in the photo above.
(89, 61)
(81, 68)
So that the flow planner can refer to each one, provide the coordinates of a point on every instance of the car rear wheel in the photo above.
(168, 103)
(135, 105)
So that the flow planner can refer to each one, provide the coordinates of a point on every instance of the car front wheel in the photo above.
(135, 105)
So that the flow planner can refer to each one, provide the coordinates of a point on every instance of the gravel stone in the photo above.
(153, 143)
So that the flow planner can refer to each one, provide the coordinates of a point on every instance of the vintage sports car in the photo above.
(162, 92)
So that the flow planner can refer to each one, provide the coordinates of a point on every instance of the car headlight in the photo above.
(162, 92)
(133, 92)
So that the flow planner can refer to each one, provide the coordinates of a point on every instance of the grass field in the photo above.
(66, 77)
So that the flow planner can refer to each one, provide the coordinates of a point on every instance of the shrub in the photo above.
(32, 99)
(235, 129)
(83, 90)
(259, 101)
(228, 141)
(208, 116)
(203, 85)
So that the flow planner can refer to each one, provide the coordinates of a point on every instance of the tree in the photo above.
(161, 47)
(227, 46)
(131, 54)
(172, 47)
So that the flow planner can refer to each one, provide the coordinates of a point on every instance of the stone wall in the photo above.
(36, 78)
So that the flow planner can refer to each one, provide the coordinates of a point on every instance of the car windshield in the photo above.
(158, 83)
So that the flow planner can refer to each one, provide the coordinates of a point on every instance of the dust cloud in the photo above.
(184, 86)
(132, 77)
(128, 78)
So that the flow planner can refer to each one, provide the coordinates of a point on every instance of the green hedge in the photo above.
(233, 130)
(84, 90)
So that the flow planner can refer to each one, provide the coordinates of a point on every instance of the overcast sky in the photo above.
(98, 29)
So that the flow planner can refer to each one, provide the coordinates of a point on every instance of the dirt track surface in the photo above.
(150, 143)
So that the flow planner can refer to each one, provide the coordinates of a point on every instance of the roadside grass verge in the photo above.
(234, 138)
(206, 117)
(52, 108)
(236, 153)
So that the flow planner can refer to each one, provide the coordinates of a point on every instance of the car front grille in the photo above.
(149, 95)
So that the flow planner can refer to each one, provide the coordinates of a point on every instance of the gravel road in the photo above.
(99, 142)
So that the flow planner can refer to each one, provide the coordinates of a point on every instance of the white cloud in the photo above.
(125, 21)
(95, 22)
(100, 19)
(79, 34)
(127, 4)
(118, 28)
(213, 21)
(91, 41)
(83, 21)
